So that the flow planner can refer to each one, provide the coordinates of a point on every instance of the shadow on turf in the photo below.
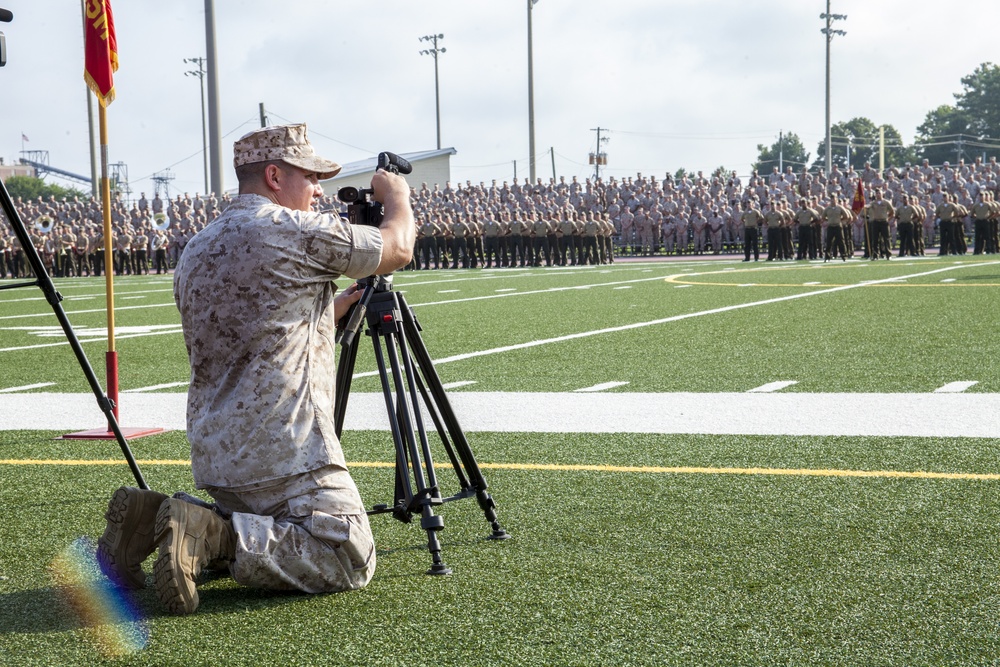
(43, 610)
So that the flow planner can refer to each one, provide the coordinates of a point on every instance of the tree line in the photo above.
(965, 130)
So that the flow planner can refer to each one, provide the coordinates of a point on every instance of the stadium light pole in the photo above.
(214, 122)
(829, 32)
(434, 51)
(200, 73)
(531, 102)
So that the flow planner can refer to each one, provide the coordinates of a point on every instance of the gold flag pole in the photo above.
(100, 62)
(111, 359)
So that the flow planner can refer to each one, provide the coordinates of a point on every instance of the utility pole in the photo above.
(531, 102)
(434, 51)
(829, 32)
(200, 73)
(214, 122)
(263, 116)
(781, 151)
(599, 157)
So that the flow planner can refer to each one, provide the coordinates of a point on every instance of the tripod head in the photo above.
(362, 210)
(5, 17)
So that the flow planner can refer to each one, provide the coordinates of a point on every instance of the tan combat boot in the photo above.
(190, 537)
(128, 539)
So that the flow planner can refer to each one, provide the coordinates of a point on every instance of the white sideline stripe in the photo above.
(682, 286)
(955, 387)
(602, 387)
(970, 415)
(623, 287)
(456, 385)
(156, 387)
(773, 386)
(10, 390)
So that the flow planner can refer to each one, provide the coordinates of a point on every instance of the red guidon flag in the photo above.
(100, 50)
(858, 204)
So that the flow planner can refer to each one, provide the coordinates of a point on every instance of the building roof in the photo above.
(369, 164)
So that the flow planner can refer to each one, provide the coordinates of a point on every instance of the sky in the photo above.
(693, 84)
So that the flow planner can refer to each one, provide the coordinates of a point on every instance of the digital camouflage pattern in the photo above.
(255, 294)
(288, 143)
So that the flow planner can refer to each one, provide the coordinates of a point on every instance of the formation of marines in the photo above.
(794, 216)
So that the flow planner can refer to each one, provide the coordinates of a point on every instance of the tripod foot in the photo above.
(439, 568)
(499, 534)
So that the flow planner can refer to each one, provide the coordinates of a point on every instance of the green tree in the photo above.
(860, 137)
(786, 151)
(30, 187)
(980, 101)
(938, 137)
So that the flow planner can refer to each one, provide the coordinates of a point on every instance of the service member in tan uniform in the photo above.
(805, 217)
(774, 218)
(751, 219)
(879, 212)
(836, 216)
(981, 213)
(906, 221)
(459, 230)
(491, 241)
(566, 230)
(540, 241)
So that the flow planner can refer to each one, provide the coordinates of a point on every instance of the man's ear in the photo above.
(273, 176)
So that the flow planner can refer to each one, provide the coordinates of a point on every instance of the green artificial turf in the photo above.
(606, 566)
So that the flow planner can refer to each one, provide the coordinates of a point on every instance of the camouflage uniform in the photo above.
(256, 300)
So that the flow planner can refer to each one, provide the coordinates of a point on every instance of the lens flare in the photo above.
(108, 616)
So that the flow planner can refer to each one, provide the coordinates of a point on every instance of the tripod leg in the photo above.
(425, 495)
(440, 399)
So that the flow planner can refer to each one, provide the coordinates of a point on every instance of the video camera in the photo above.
(361, 209)
(5, 17)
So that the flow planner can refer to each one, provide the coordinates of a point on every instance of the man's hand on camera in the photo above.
(390, 187)
(399, 231)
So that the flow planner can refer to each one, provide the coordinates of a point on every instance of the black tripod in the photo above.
(54, 298)
(395, 333)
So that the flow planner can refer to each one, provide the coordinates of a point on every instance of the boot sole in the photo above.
(110, 549)
(172, 587)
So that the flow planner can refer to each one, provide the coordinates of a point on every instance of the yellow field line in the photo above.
(670, 470)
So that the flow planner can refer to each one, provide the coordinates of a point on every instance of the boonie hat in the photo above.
(287, 143)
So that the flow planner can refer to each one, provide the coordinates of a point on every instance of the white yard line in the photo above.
(156, 387)
(602, 387)
(456, 385)
(955, 387)
(773, 386)
(893, 415)
(12, 390)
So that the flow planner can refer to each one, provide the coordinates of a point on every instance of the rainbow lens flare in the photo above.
(108, 616)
